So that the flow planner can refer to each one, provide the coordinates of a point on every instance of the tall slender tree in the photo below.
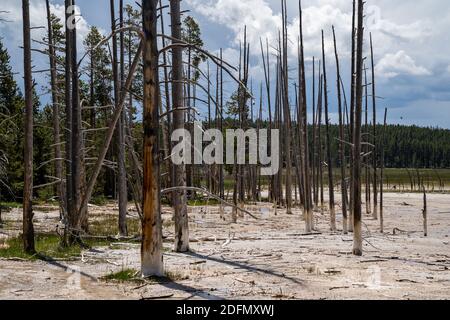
(179, 196)
(151, 249)
(28, 229)
(342, 161)
(375, 139)
(56, 115)
(357, 232)
(328, 141)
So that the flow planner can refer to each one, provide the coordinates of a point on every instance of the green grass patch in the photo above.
(109, 226)
(47, 246)
(134, 276)
(125, 275)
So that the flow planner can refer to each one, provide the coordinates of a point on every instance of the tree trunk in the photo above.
(375, 140)
(342, 141)
(55, 102)
(352, 112)
(118, 87)
(28, 229)
(357, 236)
(304, 125)
(151, 249)
(180, 196)
(76, 171)
(328, 139)
(382, 173)
(68, 124)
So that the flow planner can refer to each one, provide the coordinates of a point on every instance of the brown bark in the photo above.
(151, 249)
(28, 229)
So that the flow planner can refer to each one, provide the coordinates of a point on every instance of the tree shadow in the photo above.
(245, 267)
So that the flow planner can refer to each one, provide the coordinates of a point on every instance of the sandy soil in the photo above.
(268, 258)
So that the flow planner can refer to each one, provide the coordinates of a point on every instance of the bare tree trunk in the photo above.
(179, 197)
(118, 87)
(151, 249)
(328, 138)
(375, 140)
(425, 213)
(68, 124)
(320, 149)
(55, 102)
(352, 112)
(76, 138)
(304, 125)
(313, 146)
(286, 109)
(342, 141)
(28, 229)
(366, 145)
(382, 173)
(357, 236)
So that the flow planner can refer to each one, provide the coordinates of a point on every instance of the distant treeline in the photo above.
(409, 146)
(404, 146)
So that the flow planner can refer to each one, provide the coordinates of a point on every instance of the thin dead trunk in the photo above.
(375, 142)
(55, 105)
(352, 112)
(304, 125)
(76, 138)
(342, 140)
(328, 141)
(382, 173)
(28, 229)
(68, 123)
(180, 196)
(118, 84)
(357, 235)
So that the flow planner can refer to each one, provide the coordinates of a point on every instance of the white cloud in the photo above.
(400, 63)
(38, 16)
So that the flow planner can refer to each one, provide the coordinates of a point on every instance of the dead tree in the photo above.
(366, 143)
(28, 229)
(55, 105)
(319, 142)
(76, 216)
(151, 248)
(179, 196)
(118, 84)
(304, 125)
(357, 235)
(68, 122)
(286, 109)
(352, 111)
(328, 141)
(425, 212)
(343, 164)
(375, 142)
(382, 142)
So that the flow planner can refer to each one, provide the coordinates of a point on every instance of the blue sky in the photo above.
(411, 44)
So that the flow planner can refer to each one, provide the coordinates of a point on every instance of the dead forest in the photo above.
(163, 79)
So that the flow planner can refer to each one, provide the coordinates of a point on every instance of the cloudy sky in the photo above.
(410, 37)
